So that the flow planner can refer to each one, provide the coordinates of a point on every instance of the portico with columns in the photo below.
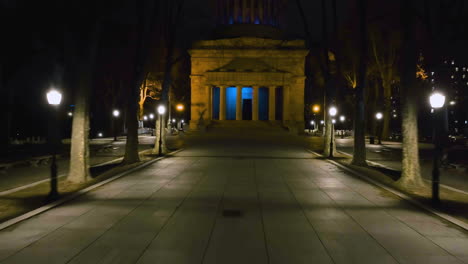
(248, 78)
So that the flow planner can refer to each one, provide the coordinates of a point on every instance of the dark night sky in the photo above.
(35, 17)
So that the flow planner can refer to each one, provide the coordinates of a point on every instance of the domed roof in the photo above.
(249, 18)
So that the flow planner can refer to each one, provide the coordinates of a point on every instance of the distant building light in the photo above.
(456, 121)
(321, 122)
(70, 114)
(394, 115)
(432, 110)
(99, 134)
(432, 73)
(452, 76)
(453, 62)
(456, 68)
(452, 102)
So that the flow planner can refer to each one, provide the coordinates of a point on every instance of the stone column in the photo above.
(286, 107)
(252, 12)
(255, 103)
(239, 103)
(222, 102)
(244, 11)
(209, 107)
(271, 103)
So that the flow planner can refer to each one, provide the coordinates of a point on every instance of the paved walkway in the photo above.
(245, 201)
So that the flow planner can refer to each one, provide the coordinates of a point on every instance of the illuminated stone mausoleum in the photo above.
(248, 71)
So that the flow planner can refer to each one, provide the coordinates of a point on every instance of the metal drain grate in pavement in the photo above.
(232, 213)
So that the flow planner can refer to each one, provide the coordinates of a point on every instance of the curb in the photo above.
(388, 168)
(46, 207)
(442, 215)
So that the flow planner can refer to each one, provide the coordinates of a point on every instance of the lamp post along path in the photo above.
(379, 117)
(161, 111)
(53, 98)
(333, 111)
(437, 101)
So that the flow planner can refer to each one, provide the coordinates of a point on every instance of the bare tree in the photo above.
(150, 88)
(384, 47)
(146, 11)
(359, 155)
(79, 153)
(411, 171)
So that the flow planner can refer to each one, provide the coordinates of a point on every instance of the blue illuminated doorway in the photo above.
(247, 95)
(231, 97)
(263, 103)
(215, 103)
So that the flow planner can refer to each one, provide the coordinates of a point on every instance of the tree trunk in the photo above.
(146, 12)
(157, 136)
(328, 137)
(359, 155)
(411, 172)
(6, 113)
(131, 119)
(79, 153)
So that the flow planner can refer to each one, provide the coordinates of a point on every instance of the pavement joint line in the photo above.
(444, 216)
(20, 188)
(388, 168)
(73, 196)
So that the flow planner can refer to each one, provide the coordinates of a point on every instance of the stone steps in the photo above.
(246, 126)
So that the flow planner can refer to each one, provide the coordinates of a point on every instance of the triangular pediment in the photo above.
(246, 65)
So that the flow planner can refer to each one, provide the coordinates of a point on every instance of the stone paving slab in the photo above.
(291, 209)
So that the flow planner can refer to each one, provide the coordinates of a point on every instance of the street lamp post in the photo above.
(332, 111)
(342, 119)
(379, 126)
(437, 101)
(315, 110)
(312, 125)
(54, 98)
(161, 111)
(116, 114)
(151, 117)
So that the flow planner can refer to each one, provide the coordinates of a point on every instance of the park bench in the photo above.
(4, 167)
(106, 148)
(40, 160)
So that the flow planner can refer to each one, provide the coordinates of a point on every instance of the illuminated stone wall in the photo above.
(248, 62)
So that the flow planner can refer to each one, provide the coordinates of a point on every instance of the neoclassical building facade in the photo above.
(250, 73)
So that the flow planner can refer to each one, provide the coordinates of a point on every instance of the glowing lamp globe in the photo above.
(54, 97)
(437, 100)
(151, 116)
(378, 115)
(342, 118)
(161, 109)
(316, 108)
(180, 107)
(116, 113)
(333, 111)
